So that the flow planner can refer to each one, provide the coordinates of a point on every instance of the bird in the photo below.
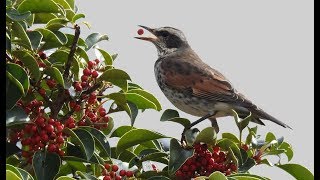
(193, 86)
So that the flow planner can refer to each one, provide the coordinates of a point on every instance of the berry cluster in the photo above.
(89, 75)
(110, 172)
(43, 133)
(203, 163)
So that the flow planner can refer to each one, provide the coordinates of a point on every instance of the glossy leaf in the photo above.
(136, 136)
(64, 178)
(46, 165)
(86, 176)
(120, 131)
(19, 33)
(16, 16)
(148, 96)
(11, 175)
(43, 18)
(117, 77)
(246, 176)
(297, 171)
(63, 3)
(16, 115)
(217, 176)
(14, 91)
(288, 148)
(14, 170)
(77, 16)
(140, 101)
(38, 6)
(35, 38)
(207, 135)
(29, 62)
(100, 138)
(52, 39)
(173, 115)
(230, 136)
(178, 156)
(70, 38)
(105, 56)
(56, 23)
(94, 38)
(19, 74)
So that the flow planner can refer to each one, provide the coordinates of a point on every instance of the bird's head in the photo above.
(166, 39)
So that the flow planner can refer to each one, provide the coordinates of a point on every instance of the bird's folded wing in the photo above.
(203, 82)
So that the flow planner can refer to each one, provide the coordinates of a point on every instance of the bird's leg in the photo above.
(195, 123)
(214, 124)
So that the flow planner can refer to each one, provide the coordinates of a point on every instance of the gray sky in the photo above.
(265, 48)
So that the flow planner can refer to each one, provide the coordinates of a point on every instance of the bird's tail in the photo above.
(263, 115)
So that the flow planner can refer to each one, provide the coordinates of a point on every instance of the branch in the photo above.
(72, 51)
(93, 88)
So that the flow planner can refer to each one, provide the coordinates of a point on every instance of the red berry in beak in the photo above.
(140, 31)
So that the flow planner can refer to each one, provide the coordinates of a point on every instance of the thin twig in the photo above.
(72, 51)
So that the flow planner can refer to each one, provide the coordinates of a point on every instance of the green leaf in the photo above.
(63, 3)
(43, 18)
(11, 175)
(54, 73)
(267, 162)
(150, 174)
(77, 16)
(25, 175)
(56, 23)
(64, 178)
(241, 123)
(82, 53)
(83, 139)
(270, 137)
(133, 112)
(133, 86)
(226, 143)
(100, 138)
(52, 39)
(94, 38)
(117, 77)
(178, 156)
(86, 175)
(217, 176)
(14, 91)
(59, 56)
(107, 130)
(136, 136)
(191, 135)
(87, 140)
(230, 136)
(16, 16)
(154, 156)
(173, 115)
(38, 6)
(120, 131)
(119, 98)
(207, 135)
(126, 156)
(8, 42)
(246, 176)
(29, 62)
(46, 165)
(14, 170)
(16, 115)
(20, 74)
(105, 56)
(288, 148)
(140, 101)
(297, 171)
(35, 38)
(148, 96)
(19, 33)
(158, 178)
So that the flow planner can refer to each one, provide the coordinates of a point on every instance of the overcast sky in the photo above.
(265, 48)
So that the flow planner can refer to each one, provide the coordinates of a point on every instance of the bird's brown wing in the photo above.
(202, 81)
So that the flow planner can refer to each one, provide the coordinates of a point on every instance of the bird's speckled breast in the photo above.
(183, 101)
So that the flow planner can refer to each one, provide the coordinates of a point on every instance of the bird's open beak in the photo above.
(151, 37)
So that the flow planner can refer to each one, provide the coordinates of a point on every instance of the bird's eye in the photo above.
(164, 33)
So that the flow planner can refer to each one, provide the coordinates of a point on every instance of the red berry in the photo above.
(129, 174)
(60, 128)
(84, 84)
(42, 55)
(25, 154)
(95, 74)
(52, 147)
(51, 121)
(60, 140)
(222, 154)
(245, 147)
(77, 87)
(122, 172)
(97, 61)
(87, 72)
(49, 128)
(185, 168)
(115, 168)
(106, 178)
(233, 167)
(118, 178)
(91, 64)
(77, 108)
(51, 83)
(44, 137)
(39, 121)
(84, 78)
(228, 172)
(42, 92)
(112, 174)
(102, 113)
(72, 104)
(216, 149)
(107, 166)
(72, 125)
(140, 31)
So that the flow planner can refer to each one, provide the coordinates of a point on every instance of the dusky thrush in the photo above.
(194, 87)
